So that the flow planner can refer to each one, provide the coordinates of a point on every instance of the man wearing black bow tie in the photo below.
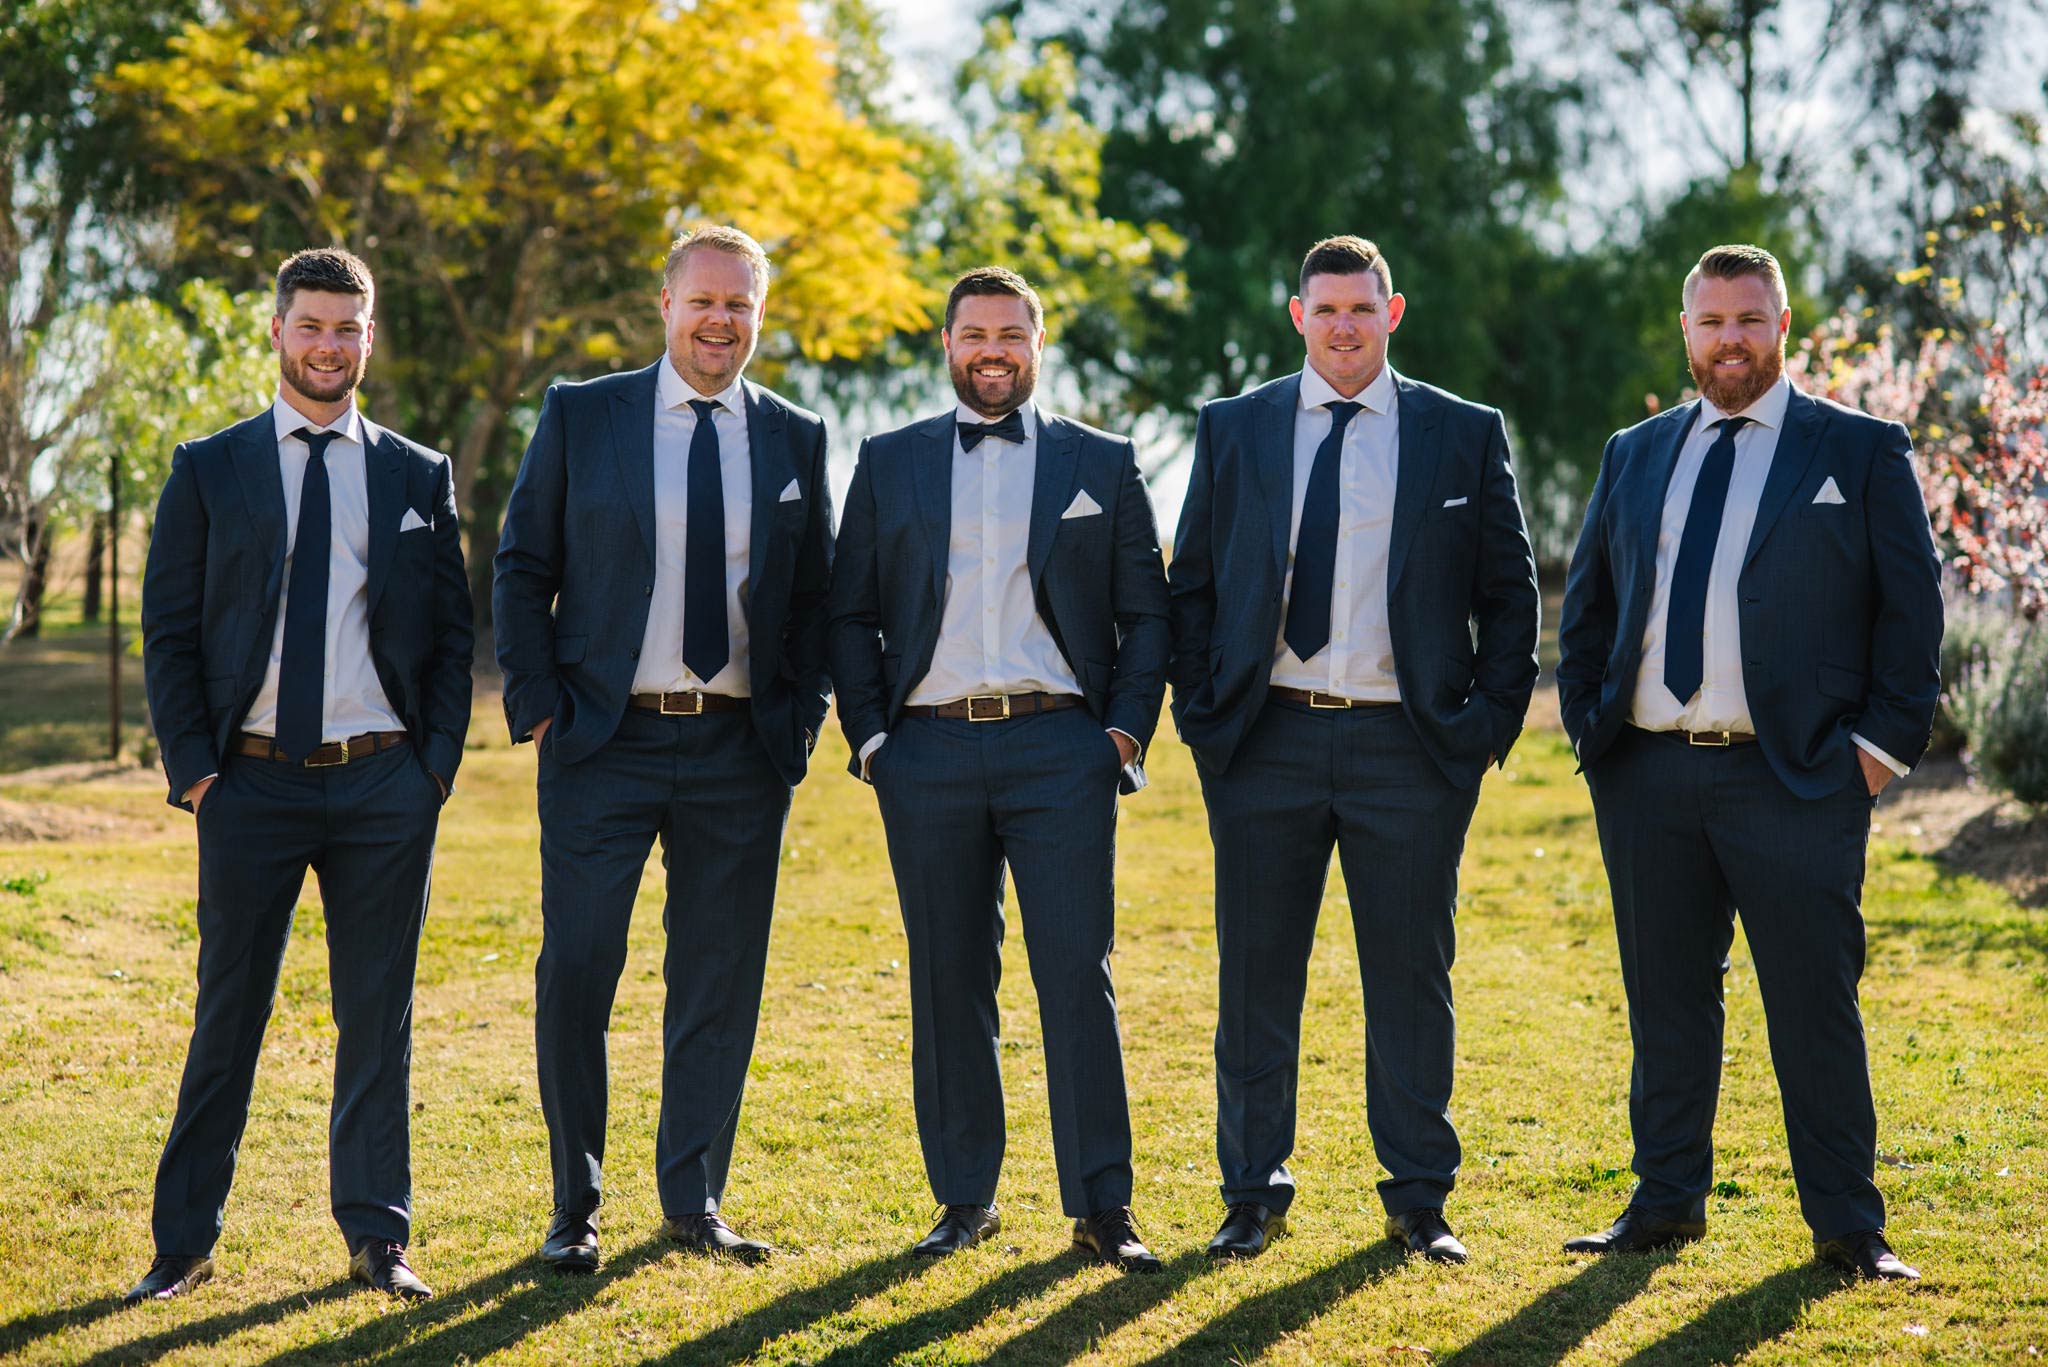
(660, 609)
(306, 637)
(1749, 652)
(999, 644)
(1354, 611)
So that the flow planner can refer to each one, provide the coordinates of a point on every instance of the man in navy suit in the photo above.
(660, 612)
(1354, 618)
(306, 637)
(1749, 653)
(999, 643)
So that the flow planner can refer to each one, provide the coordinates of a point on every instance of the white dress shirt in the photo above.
(1722, 704)
(1358, 662)
(352, 701)
(661, 668)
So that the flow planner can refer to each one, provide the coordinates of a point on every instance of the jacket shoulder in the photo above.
(1854, 421)
(793, 412)
(1453, 404)
(1088, 433)
(1241, 405)
(214, 445)
(411, 449)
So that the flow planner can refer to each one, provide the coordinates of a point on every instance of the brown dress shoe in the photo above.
(1866, 1254)
(711, 1234)
(170, 1275)
(1423, 1231)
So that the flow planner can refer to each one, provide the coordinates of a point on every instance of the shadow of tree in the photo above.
(1547, 1329)
(1737, 1324)
(1249, 1328)
(1076, 1326)
(23, 1330)
(208, 1330)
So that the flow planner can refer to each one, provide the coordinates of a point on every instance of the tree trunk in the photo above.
(483, 517)
(95, 567)
(28, 602)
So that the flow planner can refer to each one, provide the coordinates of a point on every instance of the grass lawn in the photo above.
(96, 965)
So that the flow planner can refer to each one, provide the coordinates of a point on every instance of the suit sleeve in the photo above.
(173, 608)
(1138, 598)
(805, 647)
(1191, 584)
(1905, 638)
(448, 690)
(1586, 623)
(854, 616)
(527, 574)
(1507, 605)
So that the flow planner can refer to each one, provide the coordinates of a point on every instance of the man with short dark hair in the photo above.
(660, 610)
(306, 638)
(999, 643)
(1354, 612)
(1749, 652)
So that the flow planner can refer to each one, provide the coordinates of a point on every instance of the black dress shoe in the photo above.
(1247, 1226)
(1423, 1231)
(169, 1276)
(1867, 1255)
(1111, 1236)
(381, 1266)
(958, 1227)
(711, 1234)
(1637, 1231)
(571, 1244)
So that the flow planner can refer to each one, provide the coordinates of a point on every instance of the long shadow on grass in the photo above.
(1547, 1329)
(20, 1332)
(1252, 1326)
(213, 1327)
(1736, 1325)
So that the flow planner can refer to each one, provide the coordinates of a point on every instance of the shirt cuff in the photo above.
(1137, 748)
(1880, 756)
(186, 796)
(867, 752)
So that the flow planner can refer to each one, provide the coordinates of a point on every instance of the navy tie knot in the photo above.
(1009, 427)
(1686, 618)
(1315, 545)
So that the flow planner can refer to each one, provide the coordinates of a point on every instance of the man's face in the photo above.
(322, 344)
(712, 311)
(992, 353)
(1735, 339)
(1346, 321)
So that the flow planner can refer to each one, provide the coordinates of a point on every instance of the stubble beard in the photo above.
(1734, 395)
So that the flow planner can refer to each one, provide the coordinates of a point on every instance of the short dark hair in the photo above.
(1732, 261)
(997, 280)
(324, 270)
(717, 237)
(1346, 255)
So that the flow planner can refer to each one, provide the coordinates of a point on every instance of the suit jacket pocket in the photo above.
(220, 692)
(569, 649)
(1843, 685)
(1458, 677)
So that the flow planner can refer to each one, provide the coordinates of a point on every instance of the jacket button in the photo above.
(647, 591)
(636, 652)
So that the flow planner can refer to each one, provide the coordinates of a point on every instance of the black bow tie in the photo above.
(1009, 428)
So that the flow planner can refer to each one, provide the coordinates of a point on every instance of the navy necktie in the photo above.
(1685, 619)
(1010, 427)
(302, 671)
(1315, 546)
(706, 647)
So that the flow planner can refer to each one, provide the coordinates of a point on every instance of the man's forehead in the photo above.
(990, 311)
(1326, 287)
(327, 306)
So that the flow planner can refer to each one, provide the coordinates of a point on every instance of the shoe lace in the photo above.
(1118, 1225)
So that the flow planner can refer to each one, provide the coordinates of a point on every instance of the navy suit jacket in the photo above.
(1097, 580)
(1462, 602)
(215, 578)
(575, 568)
(1840, 603)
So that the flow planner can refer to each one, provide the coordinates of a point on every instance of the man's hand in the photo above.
(1875, 773)
(540, 728)
(199, 791)
(1125, 747)
(441, 782)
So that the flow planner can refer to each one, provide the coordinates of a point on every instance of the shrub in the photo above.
(2000, 702)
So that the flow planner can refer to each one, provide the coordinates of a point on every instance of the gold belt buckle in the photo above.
(1328, 701)
(695, 710)
(1002, 712)
(1722, 743)
(312, 763)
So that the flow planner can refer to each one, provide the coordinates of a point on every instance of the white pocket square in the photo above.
(1082, 506)
(1829, 493)
(413, 522)
(790, 493)
(1460, 501)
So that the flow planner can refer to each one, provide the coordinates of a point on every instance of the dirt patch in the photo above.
(1939, 810)
(27, 823)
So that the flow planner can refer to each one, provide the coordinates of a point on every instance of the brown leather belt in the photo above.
(1716, 740)
(996, 706)
(325, 756)
(687, 704)
(1320, 700)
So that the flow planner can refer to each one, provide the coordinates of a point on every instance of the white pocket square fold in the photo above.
(413, 522)
(1829, 493)
(790, 493)
(1082, 506)
(1460, 501)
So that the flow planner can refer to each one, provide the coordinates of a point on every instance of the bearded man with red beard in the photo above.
(1748, 654)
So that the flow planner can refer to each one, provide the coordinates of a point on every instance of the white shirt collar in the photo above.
(962, 413)
(288, 421)
(673, 391)
(1317, 391)
(1767, 411)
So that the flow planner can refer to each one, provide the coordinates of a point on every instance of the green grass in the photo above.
(96, 998)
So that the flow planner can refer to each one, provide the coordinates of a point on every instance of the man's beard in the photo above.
(968, 388)
(1737, 393)
(323, 388)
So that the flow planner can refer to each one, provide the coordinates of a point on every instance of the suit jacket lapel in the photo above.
(1797, 446)
(1052, 486)
(1420, 416)
(768, 451)
(1273, 447)
(255, 460)
(633, 446)
(385, 476)
(932, 471)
